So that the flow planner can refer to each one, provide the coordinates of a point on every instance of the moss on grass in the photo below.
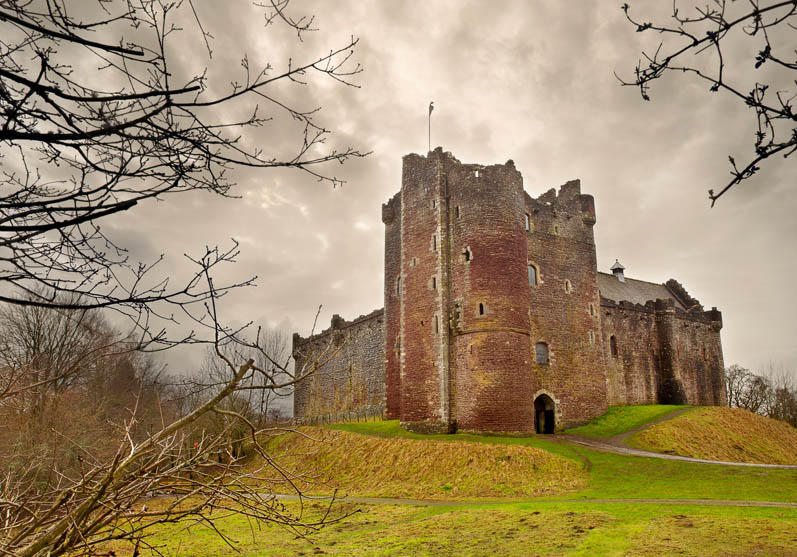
(539, 528)
(730, 434)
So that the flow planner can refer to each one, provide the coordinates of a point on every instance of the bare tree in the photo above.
(195, 466)
(694, 42)
(737, 380)
(78, 147)
(95, 120)
(771, 392)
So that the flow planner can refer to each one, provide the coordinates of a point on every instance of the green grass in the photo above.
(542, 528)
(364, 465)
(716, 433)
(620, 419)
(567, 524)
(620, 476)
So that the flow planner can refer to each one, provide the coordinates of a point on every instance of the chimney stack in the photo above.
(617, 269)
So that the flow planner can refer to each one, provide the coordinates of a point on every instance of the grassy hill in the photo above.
(623, 505)
(729, 434)
(620, 419)
(429, 469)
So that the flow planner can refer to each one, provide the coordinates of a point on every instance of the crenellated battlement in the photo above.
(337, 323)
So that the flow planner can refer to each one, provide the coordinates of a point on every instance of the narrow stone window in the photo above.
(556, 229)
(541, 353)
(528, 222)
(476, 173)
(591, 336)
(434, 242)
(532, 275)
(434, 203)
(613, 345)
(467, 254)
(481, 308)
(592, 309)
(436, 324)
(568, 286)
(434, 283)
(398, 286)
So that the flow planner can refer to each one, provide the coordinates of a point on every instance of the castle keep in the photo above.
(497, 319)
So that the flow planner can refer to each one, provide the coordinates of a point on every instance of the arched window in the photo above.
(568, 286)
(481, 308)
(528, 222)
(532, 275)
(613, 345)
(541, 353)
(467, 254)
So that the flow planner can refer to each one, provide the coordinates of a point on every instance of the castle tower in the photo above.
(457, 297)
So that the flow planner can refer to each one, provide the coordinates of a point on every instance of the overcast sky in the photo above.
(528, 80)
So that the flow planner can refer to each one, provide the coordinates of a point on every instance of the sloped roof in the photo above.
(632, 290)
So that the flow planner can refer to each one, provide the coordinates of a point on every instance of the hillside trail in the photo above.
(616, 444)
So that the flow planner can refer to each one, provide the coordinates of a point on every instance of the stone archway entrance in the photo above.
(544, 416)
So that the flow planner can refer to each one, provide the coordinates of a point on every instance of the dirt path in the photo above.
(617, 445)
(619, 440)
(604, 446)
(427, 503)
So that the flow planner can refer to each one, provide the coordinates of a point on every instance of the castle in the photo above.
(497, 319)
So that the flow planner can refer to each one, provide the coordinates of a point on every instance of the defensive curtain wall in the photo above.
(496, 318)
(345, 367)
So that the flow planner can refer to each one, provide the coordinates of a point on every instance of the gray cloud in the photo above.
(531, 81)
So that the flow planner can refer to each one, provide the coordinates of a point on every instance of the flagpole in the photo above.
(431, 108)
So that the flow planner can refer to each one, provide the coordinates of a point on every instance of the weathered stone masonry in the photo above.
(351, 376)
(496, 318)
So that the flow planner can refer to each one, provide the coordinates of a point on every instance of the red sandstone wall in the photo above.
(490, 360)
(561, 246)
(391, 216)
(351, 376)
(424, 374)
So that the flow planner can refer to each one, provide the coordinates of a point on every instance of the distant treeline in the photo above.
(772, 393)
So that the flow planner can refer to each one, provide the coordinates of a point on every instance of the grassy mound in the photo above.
(425, 469)
(620, 419)
(730, 434)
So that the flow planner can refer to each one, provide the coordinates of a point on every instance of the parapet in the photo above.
(390, 209)
(337, 324)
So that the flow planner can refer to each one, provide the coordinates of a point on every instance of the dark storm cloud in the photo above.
(530, 81)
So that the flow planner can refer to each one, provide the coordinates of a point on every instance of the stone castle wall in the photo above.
(663, 354)
(344, 368)
(565, 301)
